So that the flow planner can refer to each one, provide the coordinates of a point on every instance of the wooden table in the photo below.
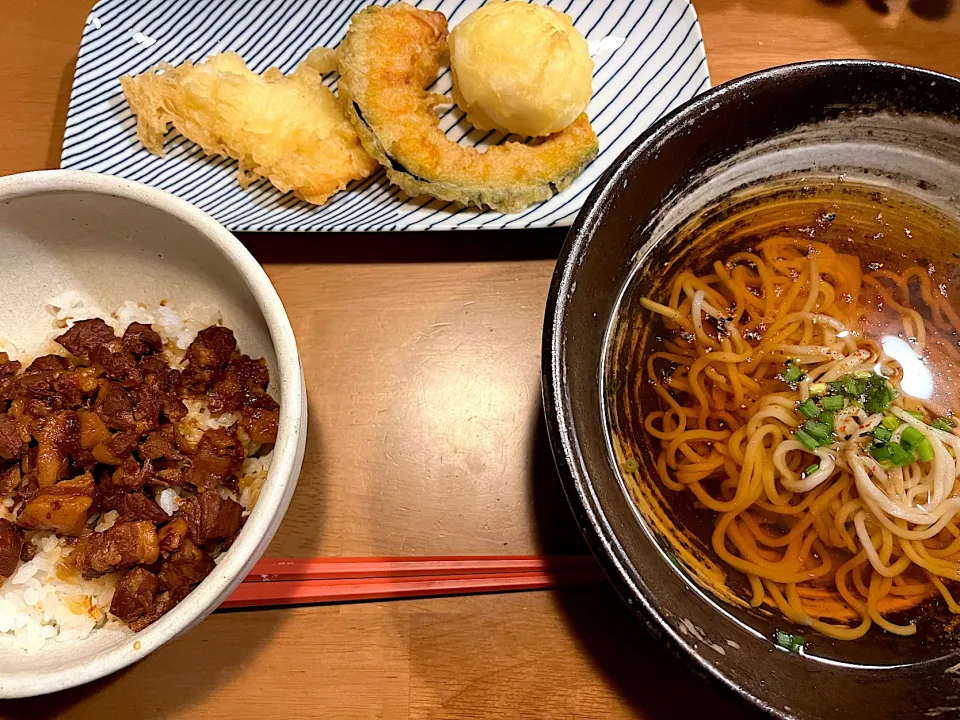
(421, 355)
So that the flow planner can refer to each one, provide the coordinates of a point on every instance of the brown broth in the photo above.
(885, 229)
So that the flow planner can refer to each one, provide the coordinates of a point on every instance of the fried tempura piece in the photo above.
(286, 128)
(386, 60)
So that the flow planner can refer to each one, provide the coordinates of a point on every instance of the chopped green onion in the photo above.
(942, 423)
(891, 422)
(864, 375)
(631, 465)
(899, 455)
(818, 389)
(893, 453)
(836, 387)
(911, 438)
(832, 402)
(808, 408)
(916, 414)
(878, 401)
(850, 387)
(877, 394)
(881, 434)
(672, 559)
(792, 643)
(807, 440)
(925, 450)
(821, 431)
(827, 417)
(881, 453)
(792, 373)
(903, 457)
(812, 469)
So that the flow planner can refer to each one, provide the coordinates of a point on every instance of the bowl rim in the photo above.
(561, 428)
(287, 454)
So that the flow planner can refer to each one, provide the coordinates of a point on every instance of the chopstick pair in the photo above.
(292, 581)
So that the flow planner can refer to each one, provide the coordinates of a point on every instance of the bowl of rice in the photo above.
(78, 246)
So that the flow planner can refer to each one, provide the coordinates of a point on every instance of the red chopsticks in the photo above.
(330, 568)
(293, 581)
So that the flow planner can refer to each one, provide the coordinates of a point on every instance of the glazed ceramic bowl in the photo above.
(114, 240)
(892, 127)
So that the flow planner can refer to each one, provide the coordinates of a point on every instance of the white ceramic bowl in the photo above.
(117, 240)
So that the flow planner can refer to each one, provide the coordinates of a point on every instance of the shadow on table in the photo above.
(653, 680)
(168, 682)
(408, 247)
(302, 530)
(876, 29)
(929, 10)
(60, 114)
(926, 9)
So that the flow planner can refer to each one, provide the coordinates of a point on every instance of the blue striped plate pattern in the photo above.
(648, 54)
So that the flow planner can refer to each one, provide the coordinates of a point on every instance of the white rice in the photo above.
(254, 471)
(45, 600)
(174, 327)
(11, 349)
(167, 500)
(199, 419)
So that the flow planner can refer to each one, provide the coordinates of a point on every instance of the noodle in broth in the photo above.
(795, 403)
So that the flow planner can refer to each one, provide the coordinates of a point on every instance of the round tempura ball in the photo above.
(520, 68)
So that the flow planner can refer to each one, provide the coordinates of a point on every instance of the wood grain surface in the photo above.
(421, 356)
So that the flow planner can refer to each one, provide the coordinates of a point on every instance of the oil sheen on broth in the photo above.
(781, 400)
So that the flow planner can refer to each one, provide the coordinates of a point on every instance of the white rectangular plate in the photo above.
(648, 54)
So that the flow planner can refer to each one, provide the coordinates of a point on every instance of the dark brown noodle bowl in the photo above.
(789, 381)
